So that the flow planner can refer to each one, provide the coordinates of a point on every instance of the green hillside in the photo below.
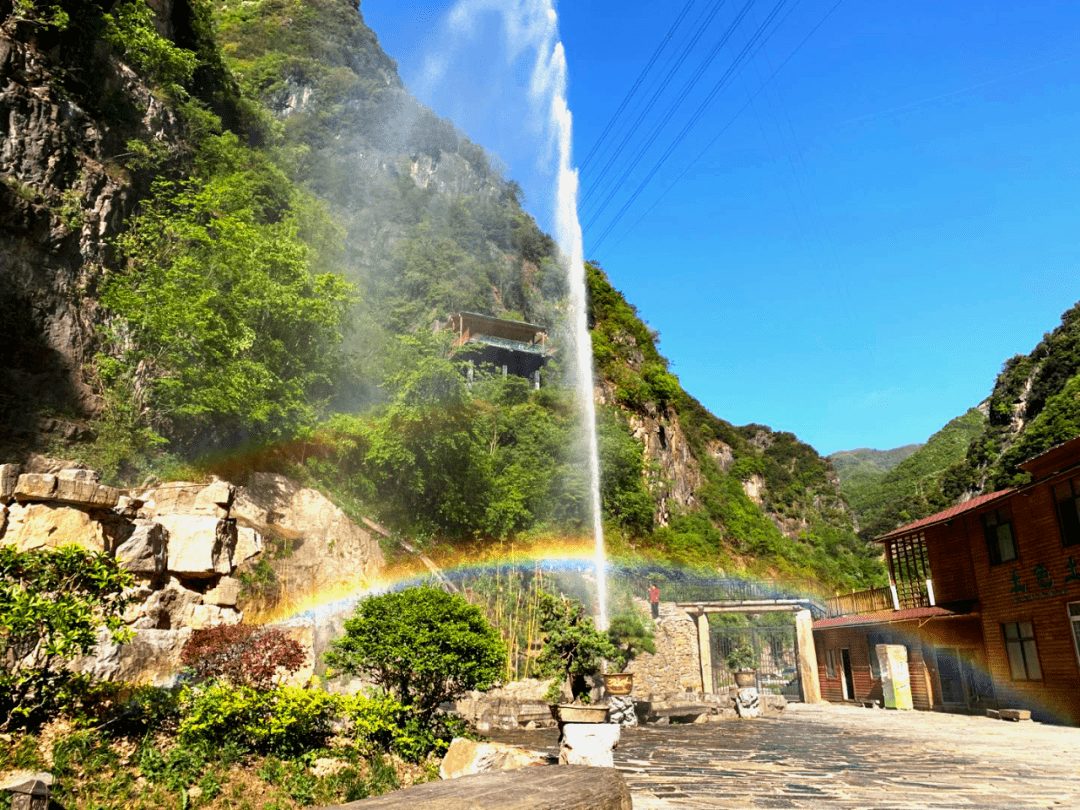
(918, 485)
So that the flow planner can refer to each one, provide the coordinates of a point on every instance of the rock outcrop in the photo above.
(183, 544)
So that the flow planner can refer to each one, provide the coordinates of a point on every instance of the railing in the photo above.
(871, 601)
(908, 595)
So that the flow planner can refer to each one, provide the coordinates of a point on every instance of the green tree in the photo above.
(629, 635)
(573, 647)
(423, 645)
(53, 603)
(221, 307)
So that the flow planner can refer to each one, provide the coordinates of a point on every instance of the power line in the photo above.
(735, 117)
(702, 26)
(637, 84)
(671, 111)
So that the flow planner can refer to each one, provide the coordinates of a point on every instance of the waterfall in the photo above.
(530, 31)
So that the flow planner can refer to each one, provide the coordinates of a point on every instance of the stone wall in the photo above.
(676, 665)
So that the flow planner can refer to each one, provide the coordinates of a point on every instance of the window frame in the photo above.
(1070, 534)
(1074, 626)
(1027, 648)
(830, 662)
(1002, 516)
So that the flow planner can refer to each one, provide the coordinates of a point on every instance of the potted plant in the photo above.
(573, 650)
(741, 663)
(629, 635)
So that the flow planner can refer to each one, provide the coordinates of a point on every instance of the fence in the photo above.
(773, 652)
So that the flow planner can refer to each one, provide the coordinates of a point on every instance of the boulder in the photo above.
(201, 616)
(44, 525)
(466, 757)
(35, 487)
(187, 498)
(79, 474)
(169, 608)
(248, 544)
(589, 744)
(152, 656)
(83, 492)
(199, 545)
(144, 551)
(9, 477)
(224, 594)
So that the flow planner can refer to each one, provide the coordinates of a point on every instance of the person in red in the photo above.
(654, 600)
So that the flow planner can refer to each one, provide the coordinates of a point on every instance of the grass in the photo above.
(95, 771)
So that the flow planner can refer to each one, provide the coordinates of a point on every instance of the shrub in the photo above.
(242, 654)
(52, 605)
(422, 644)
(284, 720)
(629, 635)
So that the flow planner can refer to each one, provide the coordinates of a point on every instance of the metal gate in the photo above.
(772, 650)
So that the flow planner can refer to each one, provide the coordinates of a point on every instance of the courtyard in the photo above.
(833, 756)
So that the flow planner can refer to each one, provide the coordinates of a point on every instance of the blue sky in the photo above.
(848, 250)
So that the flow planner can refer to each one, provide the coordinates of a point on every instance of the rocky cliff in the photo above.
(63, 196)
(192, 548)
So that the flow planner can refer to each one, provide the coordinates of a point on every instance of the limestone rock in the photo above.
(43, 525)
(248, 544)
(169, 608)
(35, 487)
(3, 518)
(79, 474)
(589, 744)
(322, 546)
(85, 492)
(145, 550)
(187, 498)
(201, 616)
(152, 656)
(466, 757)
(9, 477)
(199, 545)
(224, 594)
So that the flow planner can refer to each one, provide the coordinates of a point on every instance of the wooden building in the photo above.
(507, 347)
(986, 598)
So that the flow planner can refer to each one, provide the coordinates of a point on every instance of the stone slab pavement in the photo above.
(846, 758)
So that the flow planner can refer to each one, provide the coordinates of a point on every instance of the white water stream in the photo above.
(530, 30)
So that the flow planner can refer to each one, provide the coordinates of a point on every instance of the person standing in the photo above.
(654, 600)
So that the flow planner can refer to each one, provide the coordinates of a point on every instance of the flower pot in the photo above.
(745, 678)
(619, 683)
(569, 713)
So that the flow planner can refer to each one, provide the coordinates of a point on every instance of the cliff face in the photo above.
(63, 197)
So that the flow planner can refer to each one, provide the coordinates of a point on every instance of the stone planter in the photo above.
(570, 713)
(745, 678)
(619, 683)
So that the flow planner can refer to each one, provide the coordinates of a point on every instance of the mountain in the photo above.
(864, 461)
(914, 487)
(230, 237)
(1034, 405)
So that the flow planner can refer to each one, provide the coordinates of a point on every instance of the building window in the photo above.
(1020, 647)
(1000, 540)
(830, 663)
(1067, 501)
(1074, 622)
